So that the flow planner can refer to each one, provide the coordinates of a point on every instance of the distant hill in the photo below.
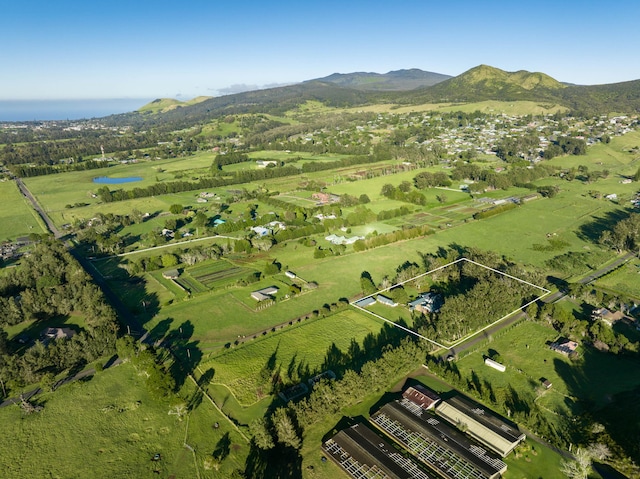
(488, 83)
(398, 80)
(162, 105)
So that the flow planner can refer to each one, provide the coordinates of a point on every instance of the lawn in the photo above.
(295, 353)
(110, 427)
(17, 216)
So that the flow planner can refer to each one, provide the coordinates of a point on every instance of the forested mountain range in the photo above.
(399, 80)
(356, 89)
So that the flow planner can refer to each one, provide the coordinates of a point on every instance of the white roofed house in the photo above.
(264, 293)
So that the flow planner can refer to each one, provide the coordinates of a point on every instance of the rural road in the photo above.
(36, 206)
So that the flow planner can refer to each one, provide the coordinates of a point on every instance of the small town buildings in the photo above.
(290, 274)
(606, 316)
(545, 383)
(564, 346)
(56, 333)
(260, 230)
(265, 163)
(325, 198)
(336, 239)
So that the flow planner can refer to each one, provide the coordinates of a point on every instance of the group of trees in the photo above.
(565, 145)
(49, 284)
(625, 234)
(403, 192)
(361, 379)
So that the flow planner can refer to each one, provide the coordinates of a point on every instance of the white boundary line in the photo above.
(466, 338)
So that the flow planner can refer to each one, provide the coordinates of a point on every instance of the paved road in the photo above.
(25, 191)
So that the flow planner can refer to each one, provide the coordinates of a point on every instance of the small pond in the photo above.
(105, 180)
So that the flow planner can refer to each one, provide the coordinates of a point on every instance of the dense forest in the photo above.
(47, 288)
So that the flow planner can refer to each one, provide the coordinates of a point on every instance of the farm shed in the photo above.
(482, 423)
(421, 396)
(264, 293)
(495, 365)
(364, 302)
(386, 301)
(439, 445)
(564, 346)
(362, 453)
(171, 274)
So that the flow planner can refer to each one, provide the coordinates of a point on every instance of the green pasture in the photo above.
(624, 280)
(295, 353)
(594, 378)
(17, 216)
(55, 191)
(489, 106)
(109, 427)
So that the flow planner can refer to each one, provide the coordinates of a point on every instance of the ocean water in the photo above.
(31, 110)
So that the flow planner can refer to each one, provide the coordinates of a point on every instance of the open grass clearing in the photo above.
(295, 353)
(489, 106)
(17, 217)
(595, 377)
(624, 280)
(110, 427)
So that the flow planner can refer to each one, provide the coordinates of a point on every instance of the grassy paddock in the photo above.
(295, 353)
(17, 217)
(110, 427)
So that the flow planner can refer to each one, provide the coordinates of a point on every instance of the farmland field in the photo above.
(122, 428)
(17, 217)
(624, 280)
(296, 352)
(218, 274)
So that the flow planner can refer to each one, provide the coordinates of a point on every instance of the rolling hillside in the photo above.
(481, 83)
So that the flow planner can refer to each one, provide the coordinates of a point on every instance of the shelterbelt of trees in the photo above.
(50, 284)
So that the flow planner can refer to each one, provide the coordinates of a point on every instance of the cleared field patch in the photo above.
(218, 274)
(625, 280)
(293, 354)
(17, 217)
(190, 284)
(109, 426)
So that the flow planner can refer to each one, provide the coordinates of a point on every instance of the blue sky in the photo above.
(144, 49)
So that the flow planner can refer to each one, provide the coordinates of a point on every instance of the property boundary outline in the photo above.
(467, 337)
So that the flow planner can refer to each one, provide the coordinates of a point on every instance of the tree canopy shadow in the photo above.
(277, 463)
(592, 231)
(619, 412)
(186, 353)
